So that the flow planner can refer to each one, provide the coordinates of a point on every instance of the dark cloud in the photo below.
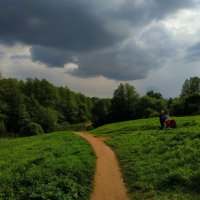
(142, 12)
(193, 53)
(50, 56)
(63, 24)
(124, 64)
(134, 61)
(92, 33)
(163, 8)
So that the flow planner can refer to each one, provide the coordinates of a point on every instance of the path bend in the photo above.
(108, 183)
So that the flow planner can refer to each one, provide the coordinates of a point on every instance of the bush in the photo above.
(31, 129)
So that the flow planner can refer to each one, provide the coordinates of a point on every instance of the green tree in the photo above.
(13, 107)
(123, 103)
(84, 108)
(191, 104)
(2, 128)
(155, 95)
(67, 105)
(100, 112)
(190, 96)
(150, 106)
(43, 91)
(3, 116)
(47, 118)
(190, 86)
(176, 107)
(83, 113)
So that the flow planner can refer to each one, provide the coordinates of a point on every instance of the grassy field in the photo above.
(157, 164)
(54, 166)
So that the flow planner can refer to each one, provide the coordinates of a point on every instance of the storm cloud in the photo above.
(104, 38)
(63, 24)
(193, 53)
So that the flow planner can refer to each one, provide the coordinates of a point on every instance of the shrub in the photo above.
(31, 129)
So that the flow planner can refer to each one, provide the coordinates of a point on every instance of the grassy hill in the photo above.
(54, 166)
(157, 164)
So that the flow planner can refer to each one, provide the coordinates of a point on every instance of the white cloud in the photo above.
(22, 69)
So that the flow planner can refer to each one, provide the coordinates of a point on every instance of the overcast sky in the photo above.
(91, 46)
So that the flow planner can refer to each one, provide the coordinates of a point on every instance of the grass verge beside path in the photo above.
(54, 166)
(158, 164)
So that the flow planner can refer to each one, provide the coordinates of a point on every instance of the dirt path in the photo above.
(108, 183)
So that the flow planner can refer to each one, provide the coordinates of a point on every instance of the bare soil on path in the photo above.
(108, 183)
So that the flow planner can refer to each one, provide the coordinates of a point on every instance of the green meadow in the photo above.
(157, 164)
(53, 166)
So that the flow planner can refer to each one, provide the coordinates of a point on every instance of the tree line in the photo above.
(35, 106)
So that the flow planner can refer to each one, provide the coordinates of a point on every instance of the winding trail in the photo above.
(108, 183)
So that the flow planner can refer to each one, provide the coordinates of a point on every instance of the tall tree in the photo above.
(47, 118)
(43, 91)
(191, 104)
(176, 107)
(156, 95)
(84, 107)
(190, 86)
(150, 106)
(13, 106)
(100, 112)
(123, 103)
(67, 105)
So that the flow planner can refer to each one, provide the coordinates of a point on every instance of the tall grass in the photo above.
(158, 164)
(55, 166)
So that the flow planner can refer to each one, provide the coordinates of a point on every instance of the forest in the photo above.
(36, 106)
